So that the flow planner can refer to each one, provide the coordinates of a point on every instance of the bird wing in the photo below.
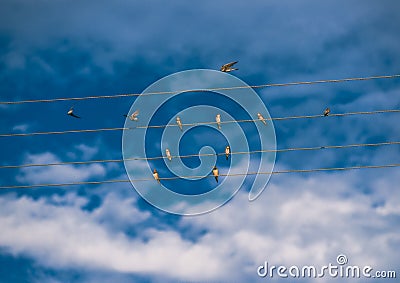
(134, 114)
(230, 64)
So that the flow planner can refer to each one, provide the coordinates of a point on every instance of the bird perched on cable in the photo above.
(155, 175)
(179, 122)
(215, 173)
(327, 111)
(227, 151)
(168, 153)
(218, 120)
(261, 118)
(71, 113)
(133, 116)
(228, 67)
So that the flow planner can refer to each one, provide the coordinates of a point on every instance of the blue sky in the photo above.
(108, 232)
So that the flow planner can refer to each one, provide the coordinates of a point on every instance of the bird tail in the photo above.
(227, 156)
(216, 178)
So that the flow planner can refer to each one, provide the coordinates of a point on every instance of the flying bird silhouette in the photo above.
(261, 118)
(327, 111)
(215, 173)
(71, 113)
(155, 175)
(227, 151)
(168, 153)
(228, 67)
(218, 120)
(133, 116)
(179, 122)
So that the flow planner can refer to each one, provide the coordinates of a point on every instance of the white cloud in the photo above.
(62, 236)
(21, 127)
(56, 174)
(298, 220)
(87, 151)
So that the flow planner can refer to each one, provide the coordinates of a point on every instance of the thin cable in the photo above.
(200, 177)
(193, 90)
(198, 155)
(200, 123)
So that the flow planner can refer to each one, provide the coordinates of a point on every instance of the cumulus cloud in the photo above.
(21, 127)
(62, 236)
(56, 174)
(299, 220)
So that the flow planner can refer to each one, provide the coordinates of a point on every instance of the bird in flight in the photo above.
(218, 120)
(215, 173)
(71, 113)
(179, 122)
(168, 153)
(155, 175)
(133, 116)
(227, 151)
(261, 118)
(327, 111)
(228, 67)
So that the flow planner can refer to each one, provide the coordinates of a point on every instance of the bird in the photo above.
(179, 122)
(218, 119)
(71, 112)
(155, 175)
(261, 118)
(327, 111)
(133, 116)
(227, 151)
(168, 154)
(215, 173)
(228, 67)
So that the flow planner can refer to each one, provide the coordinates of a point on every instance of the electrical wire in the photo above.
(200, 177)
(198, 155)
(193, 90)
(200, 123)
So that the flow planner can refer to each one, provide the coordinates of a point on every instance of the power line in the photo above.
(193, 90)
(200, 177)
(198, 155)
(200, 123)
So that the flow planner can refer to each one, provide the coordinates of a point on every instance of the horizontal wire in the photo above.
(200, 123)
(198, 155)
(193, 90)
(200, 177)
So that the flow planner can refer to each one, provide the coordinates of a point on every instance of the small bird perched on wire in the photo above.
(228, 67)
(179, 122)
(218, 120)
(327, 111)
(71, 113)
(155, 175)
(133, 116)
(168, 153)
(261, 118)
(227, 151)
(215, 173)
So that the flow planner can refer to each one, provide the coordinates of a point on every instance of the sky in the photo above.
(108, 232)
